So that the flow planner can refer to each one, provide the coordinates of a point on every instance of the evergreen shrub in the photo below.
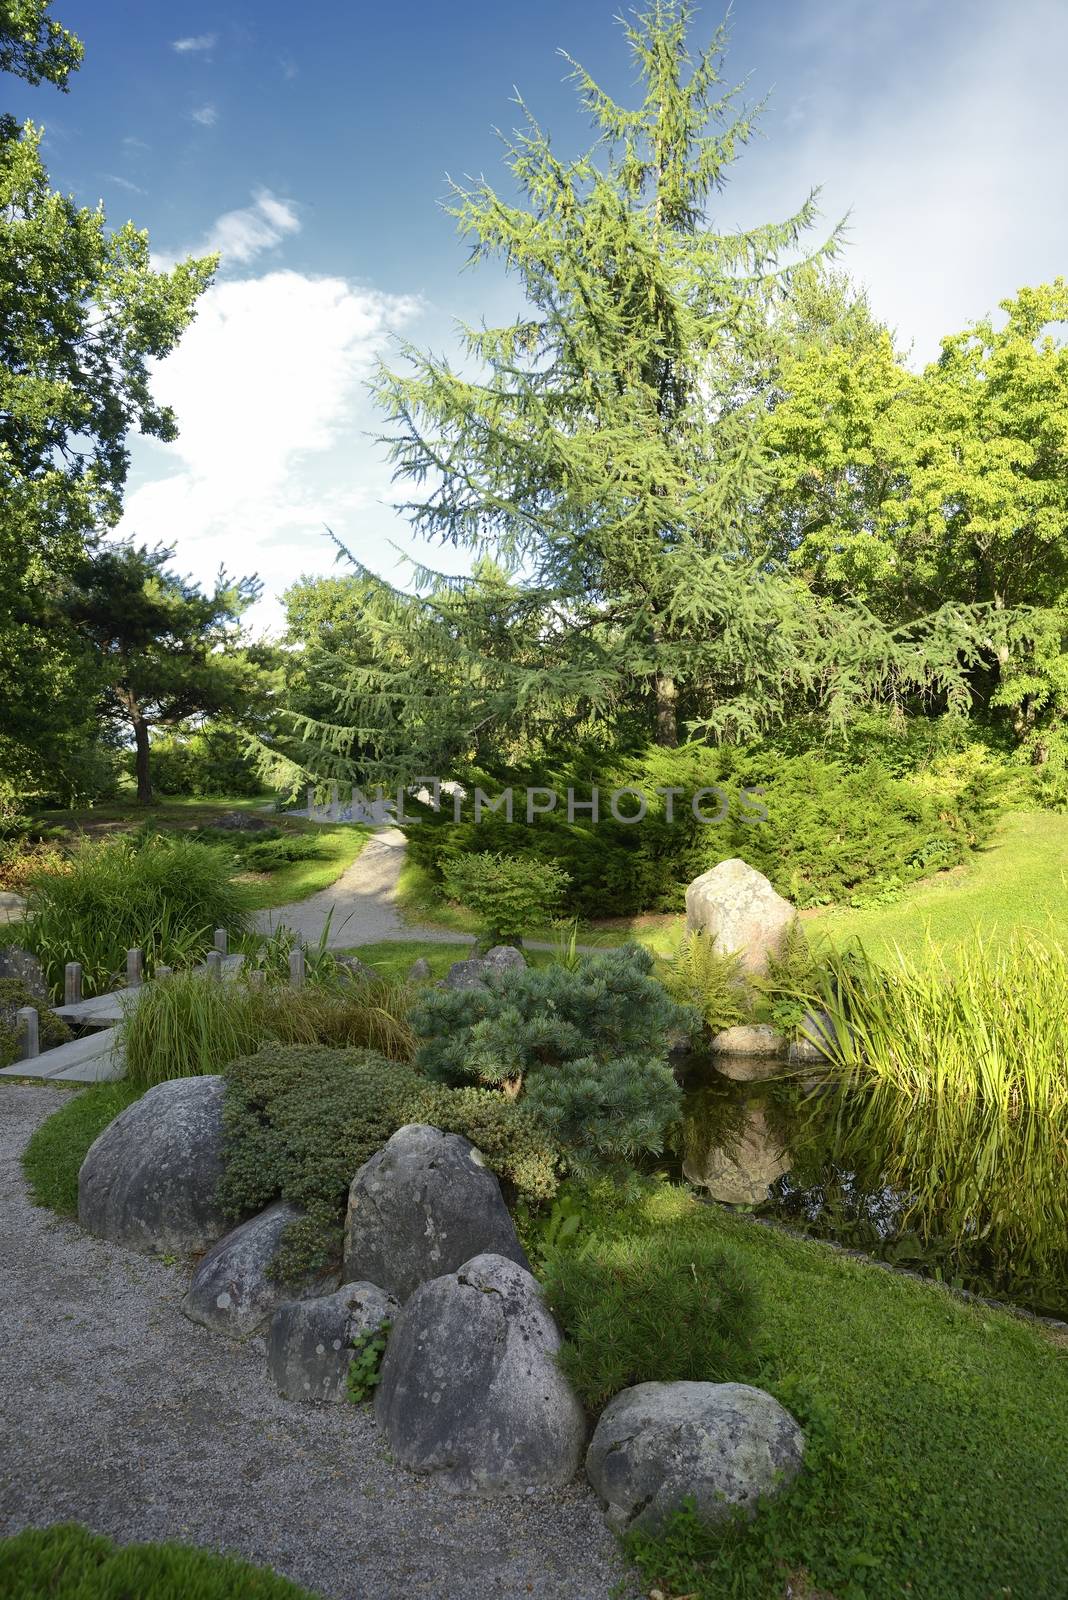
(585, 1048)
(509, 894)
(301, 1121)
(209, 762)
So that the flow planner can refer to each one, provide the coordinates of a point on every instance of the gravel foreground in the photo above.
(119, 1413)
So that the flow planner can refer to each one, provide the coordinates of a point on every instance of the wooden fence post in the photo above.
(28, 1032)
(72, 983)
(296, 968)
(135, 966)
(213, 962)
(221, 942)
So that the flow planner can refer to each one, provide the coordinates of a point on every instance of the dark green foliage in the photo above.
(821, 829)
(301, 1121)
(680, 1306)
(208, 762)
(365, 1368)
(586, 1047)
(67, 1562)
(509, 894)
(164, 896)
(53, 1157)
(50, 1029)
(266, 855)
(708, 980)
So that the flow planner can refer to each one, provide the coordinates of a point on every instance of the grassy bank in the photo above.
(58, 1147)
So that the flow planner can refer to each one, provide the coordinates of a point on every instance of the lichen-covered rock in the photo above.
(503, 957)
(422, 1206)
(473, 974)
(470, 1389)
(739, 910)
(309, 1344)
(420, 971)
(231, 1291)
(150, 1180)
(355, 969)
(25, 968)
(723, 1445)
(756, 1039)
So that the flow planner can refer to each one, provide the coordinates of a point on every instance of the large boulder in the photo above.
(503, 958)
(149, 1181)
(723, 1445)
(472, 974)
(470, 1389)
(423, 1205)
(737, 907)
(231, 1290)
(309, 1345)
(816, 1038)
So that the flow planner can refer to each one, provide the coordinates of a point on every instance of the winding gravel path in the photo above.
(117, 1412)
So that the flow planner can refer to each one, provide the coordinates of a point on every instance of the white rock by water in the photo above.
(737, 907)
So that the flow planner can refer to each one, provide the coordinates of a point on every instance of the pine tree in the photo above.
(607, 449)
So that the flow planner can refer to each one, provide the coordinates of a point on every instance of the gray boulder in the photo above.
(723, 1445)
(419, 971)
(231, 1291)
(737, 907)
(470, 1389)
(357, 970)
(309, 1345)
(815, 1040)
(149, 1181)
(422, 1206)
(26, 969)
(473, 974)
(503, 958)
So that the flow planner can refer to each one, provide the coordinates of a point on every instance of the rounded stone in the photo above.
(725, 1446)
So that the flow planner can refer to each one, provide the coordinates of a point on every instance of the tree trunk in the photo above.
(667, 719)
(144, 777)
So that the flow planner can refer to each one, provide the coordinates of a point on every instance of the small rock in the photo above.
(471, 974)
(816, 1039)
(739, 910)
(149, 1180)
(231, 1292)
(503, 958)
(420, 970)
(309, 1346)
(723, 1445)
(422, 1206)
(26, 969)
(470, 1390)
(356, 969)
(749, 1039)
(240, 822)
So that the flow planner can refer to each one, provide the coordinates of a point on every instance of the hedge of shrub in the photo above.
(300, 1122)
(822, 828)
(210, 762)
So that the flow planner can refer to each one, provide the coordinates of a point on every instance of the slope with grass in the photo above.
(1018, 881)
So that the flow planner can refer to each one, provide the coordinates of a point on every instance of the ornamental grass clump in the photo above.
(164, 896)
(586, 1049)
(301, 1121)
(189, 1024)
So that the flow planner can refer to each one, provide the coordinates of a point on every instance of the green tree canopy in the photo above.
(169, 650)
(608, 450)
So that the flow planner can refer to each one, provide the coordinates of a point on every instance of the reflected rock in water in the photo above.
(741, 1171)
(749, 1052)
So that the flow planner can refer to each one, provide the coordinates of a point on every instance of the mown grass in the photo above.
(68, 1562)
(340, 844)
(58, 1147)
(393, 958)
(937, 1435)
(1018, 881)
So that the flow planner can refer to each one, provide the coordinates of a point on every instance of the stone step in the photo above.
(94, 1059)
(102, 1011)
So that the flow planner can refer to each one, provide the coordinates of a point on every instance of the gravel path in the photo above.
(117, 1412)
(361, 904)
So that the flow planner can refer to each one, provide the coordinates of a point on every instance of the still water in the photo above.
(974, 1199)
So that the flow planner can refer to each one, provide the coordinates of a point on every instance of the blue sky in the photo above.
(312, 149)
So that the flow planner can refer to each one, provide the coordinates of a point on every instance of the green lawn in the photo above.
(341, 842)
(58, 1146)
(393, 958)
(937, 1438)
(1020, 880)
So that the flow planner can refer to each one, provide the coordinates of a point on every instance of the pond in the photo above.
(974, 1197)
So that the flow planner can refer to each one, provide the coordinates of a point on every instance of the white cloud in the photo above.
(240, 235)
(194, 43)
(268, 386)
(207, 116)
(123, 183)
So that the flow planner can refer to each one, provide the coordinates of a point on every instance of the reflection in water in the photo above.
(977, 1199)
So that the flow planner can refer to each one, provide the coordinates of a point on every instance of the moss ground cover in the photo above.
(67, 1562)
(57, 1149)
(937, 1460)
